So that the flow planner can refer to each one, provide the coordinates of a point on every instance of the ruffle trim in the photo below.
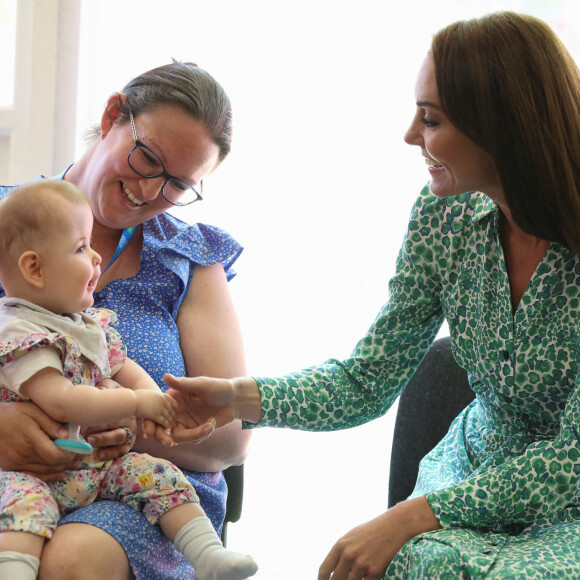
(170, 238)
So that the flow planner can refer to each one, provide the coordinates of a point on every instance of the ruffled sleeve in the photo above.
(116, 349)
(172, 240)
(14, 370)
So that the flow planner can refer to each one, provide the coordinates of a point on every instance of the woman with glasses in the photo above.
(167, 281)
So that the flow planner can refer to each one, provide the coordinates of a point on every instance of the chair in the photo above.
(436, 394)
(234, 477)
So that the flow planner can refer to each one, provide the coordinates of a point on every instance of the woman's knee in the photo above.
(83, 551)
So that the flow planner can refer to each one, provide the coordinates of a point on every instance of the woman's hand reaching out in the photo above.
(366, 551)
(201, 401)
(206, 403)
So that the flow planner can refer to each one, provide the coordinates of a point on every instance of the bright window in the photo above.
(7, 50)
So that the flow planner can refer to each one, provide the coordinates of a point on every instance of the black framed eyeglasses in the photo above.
(146, 163)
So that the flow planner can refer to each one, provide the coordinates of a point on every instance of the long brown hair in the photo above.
(507, 82)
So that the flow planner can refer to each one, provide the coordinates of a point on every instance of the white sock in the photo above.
(199, 543)
(17, 566)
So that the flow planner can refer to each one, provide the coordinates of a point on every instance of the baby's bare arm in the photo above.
(86, 405)
(134, 377)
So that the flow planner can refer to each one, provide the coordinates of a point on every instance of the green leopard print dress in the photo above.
(504, 482)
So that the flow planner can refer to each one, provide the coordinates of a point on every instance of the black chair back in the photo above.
(234, 476)
(436, 394)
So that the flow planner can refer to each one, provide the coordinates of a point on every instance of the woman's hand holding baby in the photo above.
(34, 451)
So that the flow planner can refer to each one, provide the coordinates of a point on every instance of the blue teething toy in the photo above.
(75, 443)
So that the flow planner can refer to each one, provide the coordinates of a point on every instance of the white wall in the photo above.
(318, 188)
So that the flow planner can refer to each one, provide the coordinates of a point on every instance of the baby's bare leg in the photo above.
(190, 530)
(162, 493)
(173, 520)
(20, 555)
(21, 542)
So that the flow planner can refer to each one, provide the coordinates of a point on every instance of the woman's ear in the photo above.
(112, 112)
(30, 265)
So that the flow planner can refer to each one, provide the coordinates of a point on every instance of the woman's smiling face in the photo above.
(120, 197)
(455, 163)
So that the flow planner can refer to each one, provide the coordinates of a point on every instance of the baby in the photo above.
(54, 354)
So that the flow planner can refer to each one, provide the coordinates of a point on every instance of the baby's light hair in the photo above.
(28, 216)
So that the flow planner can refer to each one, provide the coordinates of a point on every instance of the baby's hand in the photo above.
(157, 406)
(161, 434)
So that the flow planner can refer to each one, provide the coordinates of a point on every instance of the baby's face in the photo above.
(71, 266)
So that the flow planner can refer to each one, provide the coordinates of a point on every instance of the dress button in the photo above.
(487, 552)
(506, 355)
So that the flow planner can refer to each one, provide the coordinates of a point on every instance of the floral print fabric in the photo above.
(510, 462)
(145, 484)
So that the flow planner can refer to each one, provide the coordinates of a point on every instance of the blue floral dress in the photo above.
(146, 307)
(504, 482)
